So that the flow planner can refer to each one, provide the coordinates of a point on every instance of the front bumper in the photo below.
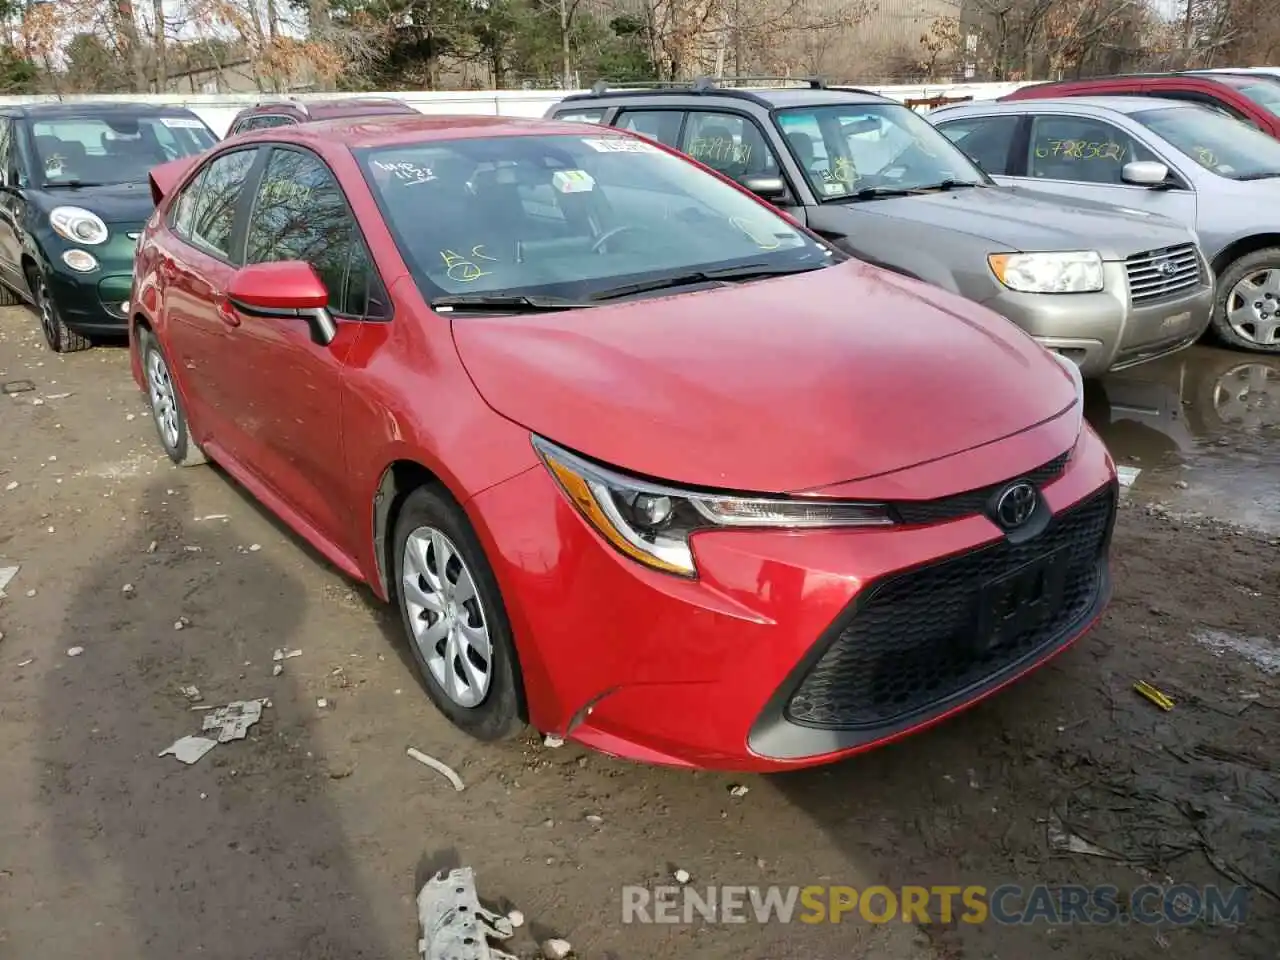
(94, 302)
(759, 663)
(1105, 331)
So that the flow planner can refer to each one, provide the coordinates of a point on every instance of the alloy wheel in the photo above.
(164, 403)
(1253, 307)
(446, 616)
(48, 318)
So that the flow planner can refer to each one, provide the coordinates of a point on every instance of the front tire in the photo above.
(454, 617)
(59, 337)
(166, 405)
(1247, 313)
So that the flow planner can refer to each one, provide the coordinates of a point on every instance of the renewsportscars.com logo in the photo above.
(1180, 904)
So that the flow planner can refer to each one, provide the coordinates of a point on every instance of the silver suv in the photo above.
(1105, 287)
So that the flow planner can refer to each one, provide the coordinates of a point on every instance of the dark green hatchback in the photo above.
(74, 197)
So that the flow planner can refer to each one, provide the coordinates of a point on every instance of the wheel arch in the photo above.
(398, 480)
(1242, 248)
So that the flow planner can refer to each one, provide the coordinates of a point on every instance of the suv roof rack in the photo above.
(603, 88)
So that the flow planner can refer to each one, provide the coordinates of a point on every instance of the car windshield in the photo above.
(570, 216)
(1218, 143)
(1265, 93)
(868, 148)
(114, 149)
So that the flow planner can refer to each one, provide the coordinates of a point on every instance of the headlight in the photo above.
(82, 261)
(78, 225)
(1078, 272)
(652, 523)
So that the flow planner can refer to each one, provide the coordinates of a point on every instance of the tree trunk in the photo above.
(162, 67)
(320, 30)
(566, 66)
(128, 31)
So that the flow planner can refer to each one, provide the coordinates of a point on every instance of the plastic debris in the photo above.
(556, 949)
(181, 623)
(27, 663)
(438, 766)
(594, 818)
(255, 547)
(11, 485)
(682, 876)
(57, 396)
(214, 516)
(128, 590)
(453, 924)
(516, 919)
(277, 670)
(281, 654)
(189, 749)
(1127, 475)
(322, 703)
(1154, 695)
(738, 790)
(551, 740)
(233, 721)
(7, 574)
(192, 693)
(1065, 841)
(74, 651)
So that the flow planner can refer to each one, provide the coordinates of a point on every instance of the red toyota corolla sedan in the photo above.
(643, 462)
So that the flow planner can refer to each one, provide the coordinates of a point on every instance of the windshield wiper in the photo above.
(750, 271)
(948, 184)
(1259, 176)
(505, 304)
(72, 184)
(879, 193)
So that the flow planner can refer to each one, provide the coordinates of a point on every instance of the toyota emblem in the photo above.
(1016, 503)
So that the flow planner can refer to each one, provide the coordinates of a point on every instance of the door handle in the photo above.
(227, 313)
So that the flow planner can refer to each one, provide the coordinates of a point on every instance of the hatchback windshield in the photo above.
(1221, 144)
(865, 148)
(569, 216)
(115, 149)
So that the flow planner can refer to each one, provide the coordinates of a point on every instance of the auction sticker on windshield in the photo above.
(182, 123)
(620, 145)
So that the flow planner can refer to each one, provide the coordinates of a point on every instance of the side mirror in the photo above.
(285, 289)
(772, 189)
(1145, 173)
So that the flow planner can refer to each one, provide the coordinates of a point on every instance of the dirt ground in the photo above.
(302, 841)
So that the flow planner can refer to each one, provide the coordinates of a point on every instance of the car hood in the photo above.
(119, 203)
(773, 386)
(1014, 221)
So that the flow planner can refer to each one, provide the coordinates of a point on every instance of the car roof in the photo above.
(318, 107)
(393, 129)
(1114, 104)
(90, 108)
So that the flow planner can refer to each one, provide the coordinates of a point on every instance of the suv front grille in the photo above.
(910, 643)
(1157, 274)
(971, 502)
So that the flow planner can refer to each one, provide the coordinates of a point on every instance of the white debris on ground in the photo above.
(192, 693)
(438, 766)
(1261, 652)
(74, 651)
(7, 574)
(556, 949)
(737, 790)
(223, 724)
(453, 924)
(551, 740)
(1127, 475)
(682, 876)
(281, 654)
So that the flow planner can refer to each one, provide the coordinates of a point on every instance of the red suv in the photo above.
(283, 113)
(1248, 97)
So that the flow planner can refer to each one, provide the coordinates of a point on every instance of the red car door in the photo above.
(288, 389)
(194, 267)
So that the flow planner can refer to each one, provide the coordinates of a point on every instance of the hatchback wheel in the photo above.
(59, 337)
(454, 617)
(1247, 314)
(166, 406)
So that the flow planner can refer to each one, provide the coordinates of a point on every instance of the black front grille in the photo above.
(910, 642)
(971, 502)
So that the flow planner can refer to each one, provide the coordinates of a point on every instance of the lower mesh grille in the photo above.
(914, 640)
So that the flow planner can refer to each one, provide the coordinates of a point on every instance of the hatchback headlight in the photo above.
(652, 523)
(1073, 272)
(78, 225)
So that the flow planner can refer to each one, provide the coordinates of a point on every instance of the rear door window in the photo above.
(987, 140)
(582, 116)
(205, 212)
(660, 125)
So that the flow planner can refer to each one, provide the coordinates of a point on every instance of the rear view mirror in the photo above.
(1145, 173)
(772, 189)
(284, 289)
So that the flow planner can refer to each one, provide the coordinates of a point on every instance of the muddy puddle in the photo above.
(1202, 431)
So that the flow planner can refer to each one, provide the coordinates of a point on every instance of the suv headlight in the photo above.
(1074, 272)
(78, 225)
(652, 523)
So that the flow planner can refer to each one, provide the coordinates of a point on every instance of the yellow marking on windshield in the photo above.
(1082, 150)
(464, 269)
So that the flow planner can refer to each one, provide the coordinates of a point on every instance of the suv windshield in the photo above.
(1265, 93)
(1221, 144)
(569, 216)
(850, 148)
(115, 149)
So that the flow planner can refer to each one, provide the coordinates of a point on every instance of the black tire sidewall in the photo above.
(178, 453)
(501, 714)
(41, 295)
(1250, 263)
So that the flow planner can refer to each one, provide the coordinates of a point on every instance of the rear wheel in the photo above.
(166, 406)
(454, 617)
(1247, 314)
(59, 337)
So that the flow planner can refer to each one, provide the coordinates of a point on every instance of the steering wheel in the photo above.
(610, 234)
